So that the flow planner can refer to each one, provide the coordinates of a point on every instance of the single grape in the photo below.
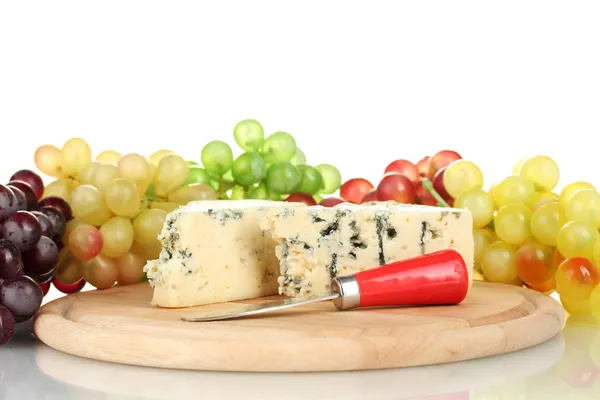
(27, 190)
(165, 206)
(513, 189)
(546, 221)
(398, 188)
(11, 265)
(424, 168)
(570, 189)
(101, 271)
(260, 192)
(49, 160)
(22, 296)
(513, 223)
(332, 178)
(44, 278)
(424, 197)
(249, 168)
(157, 156)
(217, 157)
(57, 220)
(576, 306)
(481, 238)
(86, 176)
(76, 155)
(299, 158)
(32, 179)
(438, 186)
(18, 199)
(330, 202)
(197, 174)
(498, 263)
(66, 271)
(22, 229)
(148, 225)
(584, 206)
(403, 167)
(577, 239)
(89, 206)
(238, 193)
(283, 177)
(69, 288)
(462, 175)
(480, 203)
(544, 198)
(280, 146)
(137, 169)
(172, 172)
(122, 197)
(103, 175)
(59, 188)
(311, 180)
(117, 236)
(371, 196)
(7, 325)
(249, 135)
(545, 287)
(85, 242)
(8, 202)
(58, 203)
(576, 277)
(130, 268)
(355, 189)
(542, 171)
(71, 225)
(109, 157)
(194, 192)
(534, 263)
(442, 159)
(42, 258)
(301, 198)
(149, 251)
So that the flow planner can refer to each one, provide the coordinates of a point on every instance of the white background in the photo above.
(358, 84)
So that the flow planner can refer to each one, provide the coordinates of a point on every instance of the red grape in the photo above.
(42, 258)
(405, 168)
(576, 277)
(45, 222)
(23, 229)
(45, 288)
(442, 159)
(534, 263)
(544, 287)
(27, 191)
(59, 225)
(32, 179)
(398, 188)
(7, 325)
(438, 185)
(354, 190)
(11, 265)
(423, 167)
(58, 203)
(85, 242)
(330, 202)
(22, 296)
(423, 196)
(20, 203)
(7, 202)
(301, 198)
(69, 288)
(370, 196)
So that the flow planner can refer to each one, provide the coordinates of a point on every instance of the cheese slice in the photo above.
(316, 244)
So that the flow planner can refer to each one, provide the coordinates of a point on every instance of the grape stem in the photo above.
(429, 187)
(224, 187)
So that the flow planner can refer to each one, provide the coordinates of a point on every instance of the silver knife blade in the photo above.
(252, 309)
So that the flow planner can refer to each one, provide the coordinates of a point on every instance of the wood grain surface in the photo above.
(119, 325)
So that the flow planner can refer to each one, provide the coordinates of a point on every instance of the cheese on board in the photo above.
(215, 251)
(316, 244)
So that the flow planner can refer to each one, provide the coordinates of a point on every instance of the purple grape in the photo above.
(47, 229)
(44, 278)
(11, 265)
(20, 203)
(23, 229)
(32, 179)
(42, 258)
(7, 202)
(58, 203)
(22, 296)
(27, 191)
(7, 325)
(58, 222)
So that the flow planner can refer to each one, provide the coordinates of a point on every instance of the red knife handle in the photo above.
(439, 278)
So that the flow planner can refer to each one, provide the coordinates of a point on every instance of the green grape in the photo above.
(76, 155)
(109, 157)
(596, 253)
(462, 175)
(103, 175)
(157, 156)
(274, 196)
(576, 239)
(237, 193)
(570, 189)
(117, 236)
(249, 135)
(332, 179)
(595, 303)
(60, 188)
(280, 146)
(318, 198)
(513, 223)
(193, 192)
(546, 221)
(299, 158)
(283, 177)
(197, 174)
(480, 203)
(217, 157)
(86, 176)
(88, 205)
(148, 225)
(131, 268)
(260, 192)
(137, 169)
(228, 177)
(481, 238)
(310, 180)
(249, 168)
(584, 206)
(542, 171)
(170, 175)
(498, 263)
(513, 189)
(122, 197)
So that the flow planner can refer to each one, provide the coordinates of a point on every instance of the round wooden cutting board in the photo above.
(119, 325)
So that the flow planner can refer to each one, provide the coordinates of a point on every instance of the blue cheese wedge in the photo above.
(215, 251)
(316, 244)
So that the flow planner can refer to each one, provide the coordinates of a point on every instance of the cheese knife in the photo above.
(438, 278)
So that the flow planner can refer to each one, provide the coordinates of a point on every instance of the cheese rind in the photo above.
(316, 244)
